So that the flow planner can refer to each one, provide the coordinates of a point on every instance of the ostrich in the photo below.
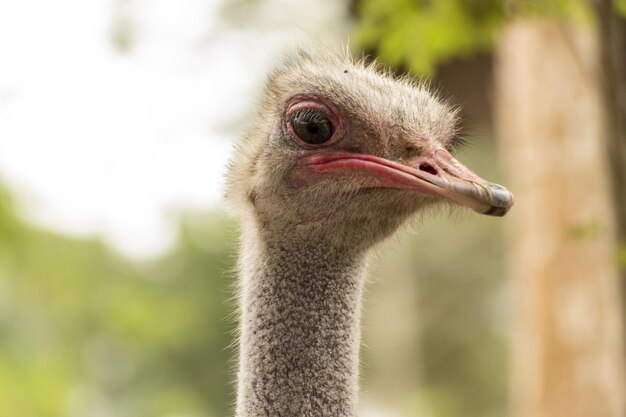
(341, 155)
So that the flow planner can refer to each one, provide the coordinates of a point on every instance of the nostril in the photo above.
(428, 168)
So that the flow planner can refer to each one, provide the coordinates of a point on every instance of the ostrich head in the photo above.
(344, 151)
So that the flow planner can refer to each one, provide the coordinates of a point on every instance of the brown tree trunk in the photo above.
(612, 40)
(567, 349)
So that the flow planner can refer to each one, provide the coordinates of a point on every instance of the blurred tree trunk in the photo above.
(612, 34)
(567, 349)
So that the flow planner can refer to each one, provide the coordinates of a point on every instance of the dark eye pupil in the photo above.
(312, 127)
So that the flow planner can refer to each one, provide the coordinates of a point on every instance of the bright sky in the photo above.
(98, 142)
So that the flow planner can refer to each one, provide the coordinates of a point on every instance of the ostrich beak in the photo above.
(435, 172)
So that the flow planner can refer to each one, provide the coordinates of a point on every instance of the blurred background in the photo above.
(117, 257)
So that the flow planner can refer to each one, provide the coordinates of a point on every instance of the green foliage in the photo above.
(83, 330)
(620, 7)
(417, 35)
(577, 9)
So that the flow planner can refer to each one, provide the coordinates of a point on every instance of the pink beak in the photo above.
(435, 172)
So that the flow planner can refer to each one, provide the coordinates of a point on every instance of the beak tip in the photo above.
(501, 200)
(497, 211)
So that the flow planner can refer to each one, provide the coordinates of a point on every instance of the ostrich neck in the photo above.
(299, 348)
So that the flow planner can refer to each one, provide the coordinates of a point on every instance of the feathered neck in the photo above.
(300, 314)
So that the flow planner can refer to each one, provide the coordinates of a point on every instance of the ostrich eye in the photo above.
(312, 126)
